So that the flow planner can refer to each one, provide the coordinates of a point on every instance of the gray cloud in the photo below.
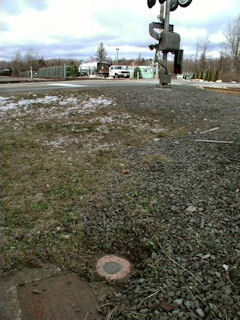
(120, 28)
(8, 8)
(14, 7)
(83, 48)
(82, 42)
(4, 26)
(77, 49)
(211, 46)
(212, 25)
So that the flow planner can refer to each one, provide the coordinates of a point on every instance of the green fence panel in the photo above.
(51, 72)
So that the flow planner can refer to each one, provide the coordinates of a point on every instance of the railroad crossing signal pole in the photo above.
(166, 27)
(168, 40)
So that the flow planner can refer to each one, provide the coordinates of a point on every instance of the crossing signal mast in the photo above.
(168, 40)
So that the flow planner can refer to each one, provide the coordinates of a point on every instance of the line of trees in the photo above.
(213, 69)
(227, 66)
(23, 62)
(101, 56)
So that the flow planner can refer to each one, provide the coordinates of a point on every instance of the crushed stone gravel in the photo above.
(181, 218)
(175, 215)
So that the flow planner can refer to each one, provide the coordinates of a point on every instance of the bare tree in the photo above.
(139, 61)
(17, 63)
(203, 58)
(31, 59)
(231, 46)
(101, 54)
(197, 49)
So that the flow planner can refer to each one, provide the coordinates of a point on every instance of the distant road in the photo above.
(47, 86)
(11, 88)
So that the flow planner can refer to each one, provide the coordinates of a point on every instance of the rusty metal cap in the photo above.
(113, 268)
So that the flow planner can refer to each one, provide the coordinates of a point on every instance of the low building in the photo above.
(147, 72)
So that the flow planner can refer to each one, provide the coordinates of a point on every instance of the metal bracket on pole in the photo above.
(153, 33)
(158, 25)
(158, 61)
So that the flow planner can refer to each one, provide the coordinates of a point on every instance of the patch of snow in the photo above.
(55, 144)
(85, 107)
(103, 120)
(27, 102)
(59, 107)
(103, 129)
(69, 100)
(3, 100)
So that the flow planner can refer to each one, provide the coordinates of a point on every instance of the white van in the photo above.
(118, 71)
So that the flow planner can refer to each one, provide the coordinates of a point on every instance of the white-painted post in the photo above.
(156, 75)
(117, 49)
(64, 70)
(31, 72)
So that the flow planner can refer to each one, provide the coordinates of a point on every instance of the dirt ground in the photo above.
(145, 173)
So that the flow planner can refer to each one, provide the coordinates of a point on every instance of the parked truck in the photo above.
(119, 71)
(94, 68)
(103, 69)
(5, 71)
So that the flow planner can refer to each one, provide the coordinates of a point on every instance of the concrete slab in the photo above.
(45, 294)
(62, 297)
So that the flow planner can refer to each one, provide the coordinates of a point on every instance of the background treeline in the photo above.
(23, 62)
(208, 69)
(212, 69)
(227, 66)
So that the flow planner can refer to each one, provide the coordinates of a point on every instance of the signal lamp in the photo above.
(184, 3)
(151, 3)
(173, 5)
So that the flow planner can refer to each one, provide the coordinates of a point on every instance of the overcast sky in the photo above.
(74, 28)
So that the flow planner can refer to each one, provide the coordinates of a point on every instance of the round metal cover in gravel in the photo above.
(113, 268)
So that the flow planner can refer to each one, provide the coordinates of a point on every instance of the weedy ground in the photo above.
(57, 151)
(87, 173)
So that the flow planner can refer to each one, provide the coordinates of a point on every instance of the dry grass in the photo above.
(57, 152)
(155, 158)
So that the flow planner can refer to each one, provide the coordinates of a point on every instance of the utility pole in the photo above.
(117, 49)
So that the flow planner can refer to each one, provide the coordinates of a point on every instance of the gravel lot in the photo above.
(180, 211)
(176, 215)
